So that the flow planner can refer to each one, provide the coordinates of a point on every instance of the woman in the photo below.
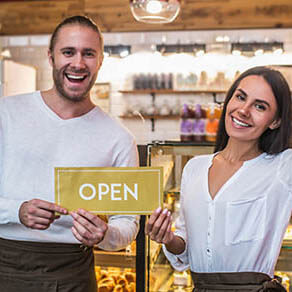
(236, 203)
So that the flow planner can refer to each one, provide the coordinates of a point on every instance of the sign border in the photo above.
(59, 170)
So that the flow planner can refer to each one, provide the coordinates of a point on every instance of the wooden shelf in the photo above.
(170, 91)
(154, 92)
(152, 118)
(148, 117)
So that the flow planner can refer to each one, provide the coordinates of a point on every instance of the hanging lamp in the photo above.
(155, 11)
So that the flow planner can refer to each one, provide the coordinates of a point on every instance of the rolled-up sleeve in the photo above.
(122, 230)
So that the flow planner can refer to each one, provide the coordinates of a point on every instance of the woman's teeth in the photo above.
(240, 123)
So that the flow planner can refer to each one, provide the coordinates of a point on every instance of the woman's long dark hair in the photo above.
(271, 141)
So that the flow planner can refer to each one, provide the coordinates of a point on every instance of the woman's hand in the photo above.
(88, 228)
(158, 226)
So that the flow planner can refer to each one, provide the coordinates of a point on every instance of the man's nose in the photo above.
(78, 61)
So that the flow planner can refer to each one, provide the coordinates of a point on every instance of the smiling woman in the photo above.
(237, 202)
(271, 99)
(251, 110)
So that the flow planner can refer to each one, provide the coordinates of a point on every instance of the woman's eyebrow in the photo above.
(242, 91)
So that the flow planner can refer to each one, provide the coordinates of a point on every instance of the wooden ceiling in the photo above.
(41, 16)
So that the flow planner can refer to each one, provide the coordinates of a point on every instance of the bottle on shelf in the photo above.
(136, 82)
(156, 81)
(179, 81)
(199, 124)
(212, 122)
(170, 81)
(203, 80)
(152, 81)
(143, 81)
(186, 126)
(164, 110)
(151, 110)
(177, 107)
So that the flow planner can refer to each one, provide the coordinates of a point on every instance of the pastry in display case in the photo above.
(114, 279)
(115, 271)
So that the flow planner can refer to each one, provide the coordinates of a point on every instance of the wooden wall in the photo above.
(40, 17)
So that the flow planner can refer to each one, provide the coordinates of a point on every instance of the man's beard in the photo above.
(58, 76)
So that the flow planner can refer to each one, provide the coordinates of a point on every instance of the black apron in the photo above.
(46, 267)
(232, 282)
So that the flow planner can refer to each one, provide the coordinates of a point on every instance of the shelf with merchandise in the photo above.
(150, 117)
(155, 92)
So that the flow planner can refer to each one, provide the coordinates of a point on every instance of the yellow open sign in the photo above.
(110, 190)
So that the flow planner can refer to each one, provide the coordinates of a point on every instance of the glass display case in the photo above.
(172, 156)
(124, 270)
(116, 269)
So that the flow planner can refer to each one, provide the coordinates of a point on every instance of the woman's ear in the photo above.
(275, 124)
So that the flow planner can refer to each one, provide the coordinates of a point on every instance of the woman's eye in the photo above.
(240, 97)
(260, 107)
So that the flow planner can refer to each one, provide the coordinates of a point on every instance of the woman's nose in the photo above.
(244, 110)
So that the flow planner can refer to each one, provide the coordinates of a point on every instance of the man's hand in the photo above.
(87, 227)
(39, 214)
(158, 226)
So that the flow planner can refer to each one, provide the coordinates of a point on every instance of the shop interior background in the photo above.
(118, 72)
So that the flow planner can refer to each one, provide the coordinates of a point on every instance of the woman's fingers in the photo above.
(162, 229)
(158, 226)
(152, 220)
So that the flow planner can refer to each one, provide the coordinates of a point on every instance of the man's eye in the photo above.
(67, 53)
(89, 54)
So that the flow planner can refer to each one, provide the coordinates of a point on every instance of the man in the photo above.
(40, 250)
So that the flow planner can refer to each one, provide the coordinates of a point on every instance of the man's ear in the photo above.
(100, 60)
(51, 57)
(275, 124)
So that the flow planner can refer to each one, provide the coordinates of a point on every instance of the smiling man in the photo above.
(48, 129)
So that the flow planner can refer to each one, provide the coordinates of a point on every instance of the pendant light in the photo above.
(155, 11)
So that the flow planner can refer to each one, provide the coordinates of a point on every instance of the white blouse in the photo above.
(242, 228)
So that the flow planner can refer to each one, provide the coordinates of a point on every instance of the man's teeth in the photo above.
(240, 123)
(75, 77)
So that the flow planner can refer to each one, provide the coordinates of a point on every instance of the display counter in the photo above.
(173, 156)
(142, 266)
